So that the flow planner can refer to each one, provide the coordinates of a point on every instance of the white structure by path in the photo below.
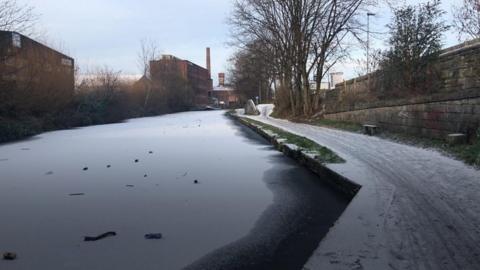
(417, 209)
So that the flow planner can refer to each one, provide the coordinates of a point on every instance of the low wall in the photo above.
(435, 119)
(453, 107)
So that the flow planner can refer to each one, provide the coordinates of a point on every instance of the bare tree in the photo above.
(338, 19)
(466, 19)
(361, 68)
(149, 51)
(305, 38)
(103, 96)
(103, 81)
(13, 17)
(17, 17)
(253, 72)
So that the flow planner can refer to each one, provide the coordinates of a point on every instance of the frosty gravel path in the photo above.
(417, 209)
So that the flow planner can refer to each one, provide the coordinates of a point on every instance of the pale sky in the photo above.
(383, 16)
(108, 32)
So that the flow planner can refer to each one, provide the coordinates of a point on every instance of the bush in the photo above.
(99, 99)
(12, 129)
(415, 43)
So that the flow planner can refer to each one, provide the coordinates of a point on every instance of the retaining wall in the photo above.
(453, 107)
(435, 120)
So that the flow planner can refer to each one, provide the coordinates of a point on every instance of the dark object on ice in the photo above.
(49, 173)
(3, 159)
(25, 149)
(183, 175)
(77, 194)
(9, 256)
(150, 152)
(109, 166)
(100, 237)
(136, 160)
(195, 182)
(130, 186)
(154, 236)
(85, 169)
(145, 176)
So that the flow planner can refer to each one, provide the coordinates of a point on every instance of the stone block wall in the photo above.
(452, 108)
(435, 120)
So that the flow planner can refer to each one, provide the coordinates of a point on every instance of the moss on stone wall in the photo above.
(321, 153)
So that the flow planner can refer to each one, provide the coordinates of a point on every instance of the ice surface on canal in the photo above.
(46, 226)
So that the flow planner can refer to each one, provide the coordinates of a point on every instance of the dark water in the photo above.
(253, 208)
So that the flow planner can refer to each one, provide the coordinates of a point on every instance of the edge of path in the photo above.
(357, 240)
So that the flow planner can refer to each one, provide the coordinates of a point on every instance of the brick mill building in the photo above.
(33, 76)
(199, 78)
(224, 95)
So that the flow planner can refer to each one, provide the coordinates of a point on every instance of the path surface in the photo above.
(417, 209)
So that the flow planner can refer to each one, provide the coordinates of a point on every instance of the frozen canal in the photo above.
(253, 208)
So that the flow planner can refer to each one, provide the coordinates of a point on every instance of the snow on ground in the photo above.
(417, 208)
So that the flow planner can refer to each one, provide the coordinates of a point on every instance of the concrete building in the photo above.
(334, 79)
(32, 75)
(224, 95)
(198, 77)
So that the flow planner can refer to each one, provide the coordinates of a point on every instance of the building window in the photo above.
(67, 62)
(17, 40)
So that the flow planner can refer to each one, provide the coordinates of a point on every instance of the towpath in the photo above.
(417, 209)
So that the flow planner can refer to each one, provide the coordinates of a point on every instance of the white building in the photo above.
(334, 78)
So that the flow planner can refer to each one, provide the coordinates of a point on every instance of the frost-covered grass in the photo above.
(337, 124)
(469, 153)
(322, 154)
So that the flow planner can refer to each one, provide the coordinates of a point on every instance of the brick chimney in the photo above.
(209, 67)
(221, 79)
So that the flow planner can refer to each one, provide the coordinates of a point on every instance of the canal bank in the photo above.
(305, 157)
(417, 209)
(251, 203)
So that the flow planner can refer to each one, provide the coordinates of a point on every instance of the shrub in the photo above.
(13, 129)
(415, 43)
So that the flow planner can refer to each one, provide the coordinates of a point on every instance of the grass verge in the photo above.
(353, 127)
(468, 153)
(321, 153)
